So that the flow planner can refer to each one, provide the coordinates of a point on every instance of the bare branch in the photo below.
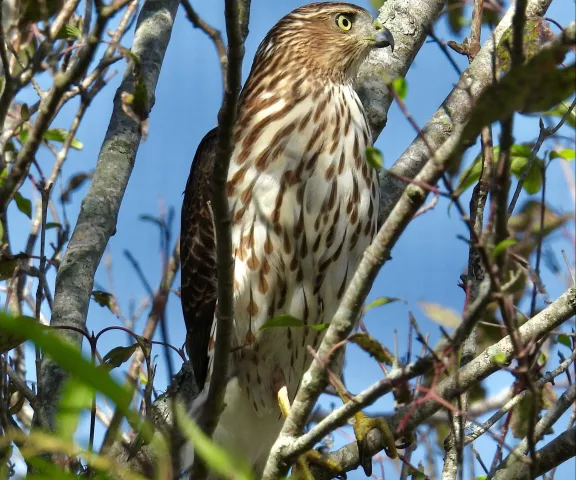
(236, 23)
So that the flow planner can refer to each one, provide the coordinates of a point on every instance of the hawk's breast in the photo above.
(304, 207)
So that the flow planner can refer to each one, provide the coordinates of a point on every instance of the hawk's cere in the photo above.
(303, 203)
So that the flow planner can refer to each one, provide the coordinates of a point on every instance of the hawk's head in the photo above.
(326, 39)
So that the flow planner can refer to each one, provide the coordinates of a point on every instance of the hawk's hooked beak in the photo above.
(383, 36)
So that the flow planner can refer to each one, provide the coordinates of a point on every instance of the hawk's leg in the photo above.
(301, 470)
(362, 426)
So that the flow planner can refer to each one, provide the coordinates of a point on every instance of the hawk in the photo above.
(303, 204)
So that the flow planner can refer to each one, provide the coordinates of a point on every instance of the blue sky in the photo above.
(427, 261)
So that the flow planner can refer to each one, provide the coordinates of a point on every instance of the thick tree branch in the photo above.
(99, 213)
(409, 21)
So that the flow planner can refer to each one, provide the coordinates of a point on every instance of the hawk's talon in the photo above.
(301, 470)
(362, 426)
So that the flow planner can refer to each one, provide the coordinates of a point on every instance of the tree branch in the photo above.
(224, 147)
(51, 102)
(99, 213)
(237, 18)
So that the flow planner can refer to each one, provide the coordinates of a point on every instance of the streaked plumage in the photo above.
(303, 203)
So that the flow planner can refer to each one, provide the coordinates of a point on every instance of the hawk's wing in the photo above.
(198, 257)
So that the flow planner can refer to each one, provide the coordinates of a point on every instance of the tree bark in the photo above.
(99, 211)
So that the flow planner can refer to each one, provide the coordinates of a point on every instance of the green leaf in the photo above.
(283, 320)
(118, 355)
(567, 154)
(7, 267)
(319, 327)
(400, 87)
(455, 11)
(560, 111)
(376, 4)
(500, 358)
(60, 135)
(372, 346)
(68, 357)
(418, 474)
(521, 414)
(50, 225)
(502, 246)
(374, 158)
(9, 340)
(105, 299)
(129, 55)
(564, 340)
(542, 358)
(381, 301)
(69, 32)
(444, 316)
(24, 112)
(23, 204)
(470, 175)
(288, 321)
(519, 156)
(23, 135)
(45, 470)
(76, 396)
(215, 457)
(26, 51)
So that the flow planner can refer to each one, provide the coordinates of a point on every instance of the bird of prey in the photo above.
(304, 207)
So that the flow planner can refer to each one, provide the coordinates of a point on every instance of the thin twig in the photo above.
(547, 378)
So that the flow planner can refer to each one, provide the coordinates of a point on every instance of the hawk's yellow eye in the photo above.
(344, 22)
